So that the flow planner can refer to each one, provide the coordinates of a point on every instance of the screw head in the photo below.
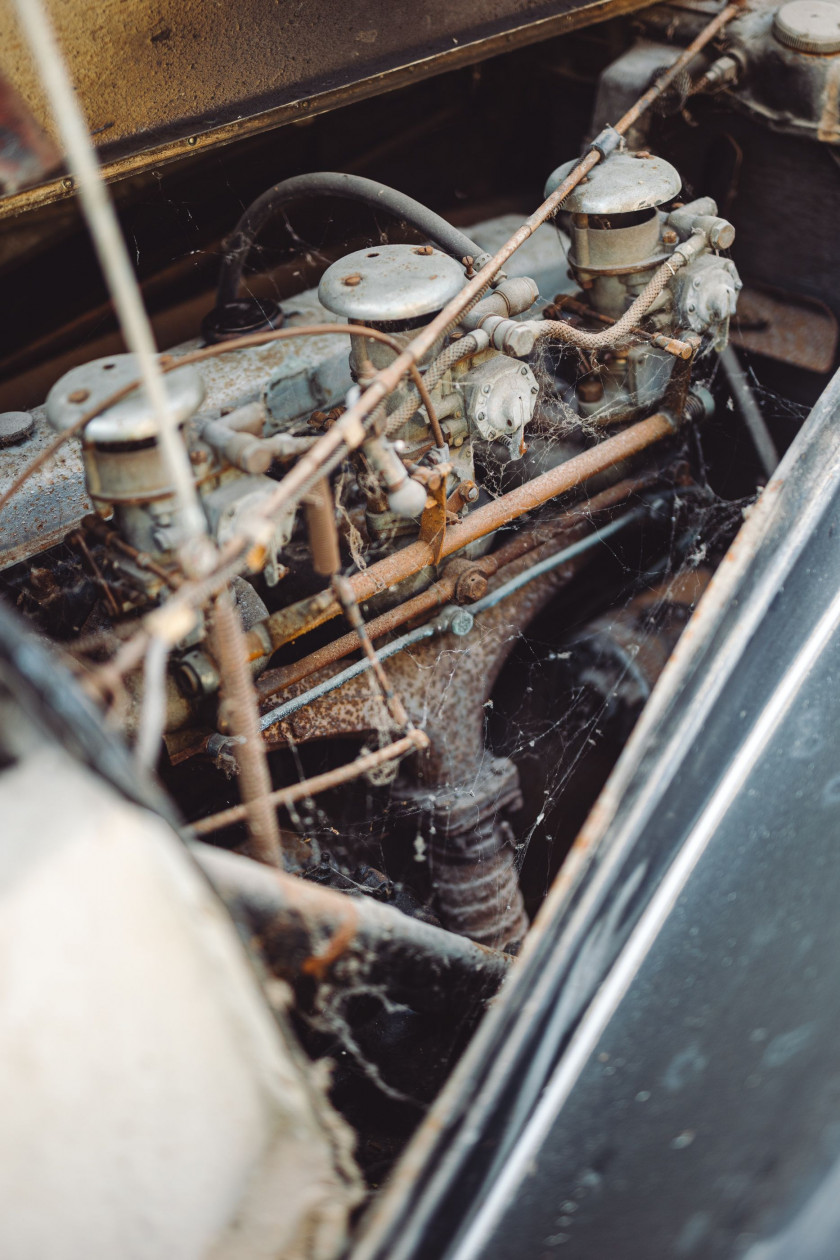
(481, 415)
(461, 622)
(17, 426)
(352, 281)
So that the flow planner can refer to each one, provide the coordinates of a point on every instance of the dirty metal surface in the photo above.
(443, 684)
(54, 500)
(50, 503)
(161, 79)
(784, 326)
(624, 183)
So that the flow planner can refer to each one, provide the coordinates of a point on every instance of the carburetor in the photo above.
(483, 396)
(621, 236)
(126, 474)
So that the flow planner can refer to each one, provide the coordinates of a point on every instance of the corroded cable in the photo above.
(558, 330)
(346, 597)
(464, 348)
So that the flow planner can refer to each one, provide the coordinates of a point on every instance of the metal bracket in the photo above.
(607, 141)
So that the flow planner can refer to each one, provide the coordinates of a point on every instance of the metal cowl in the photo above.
(620, 184)
(391, 283)
(809, 26)
(133, 418)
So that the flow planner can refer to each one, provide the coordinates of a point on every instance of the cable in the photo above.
(464, 348)
(739, 387)
(596, 341)
(332, 184)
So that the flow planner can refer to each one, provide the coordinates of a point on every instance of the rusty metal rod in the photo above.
(274, 680)
(307, 932)
(443, 623)
(299, 618)
(318, 783)
(387, 379)
(351, 610)
(239, 698)
(707, 34)
(442, 591)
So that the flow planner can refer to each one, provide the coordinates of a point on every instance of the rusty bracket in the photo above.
(433, 520)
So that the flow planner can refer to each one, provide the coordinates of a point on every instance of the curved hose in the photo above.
(333, 184)
(597, 341)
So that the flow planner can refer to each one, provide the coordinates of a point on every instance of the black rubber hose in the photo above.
(333, 184)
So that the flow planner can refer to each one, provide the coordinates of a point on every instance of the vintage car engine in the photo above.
(370, 572)
(524, 385)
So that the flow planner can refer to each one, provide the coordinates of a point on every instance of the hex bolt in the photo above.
(460, 622)
(669, 237)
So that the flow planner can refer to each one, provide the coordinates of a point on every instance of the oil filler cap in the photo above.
(809, 26)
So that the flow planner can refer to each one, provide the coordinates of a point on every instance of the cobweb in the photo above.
(573, 686)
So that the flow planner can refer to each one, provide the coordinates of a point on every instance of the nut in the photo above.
(470, 586)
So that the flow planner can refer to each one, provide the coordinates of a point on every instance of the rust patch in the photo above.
(786, 327)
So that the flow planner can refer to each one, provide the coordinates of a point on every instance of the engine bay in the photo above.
(379, 581)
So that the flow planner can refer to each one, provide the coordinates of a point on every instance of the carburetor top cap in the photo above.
(133, 418)
(620, 184)
(810, 26)
(390, 283)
